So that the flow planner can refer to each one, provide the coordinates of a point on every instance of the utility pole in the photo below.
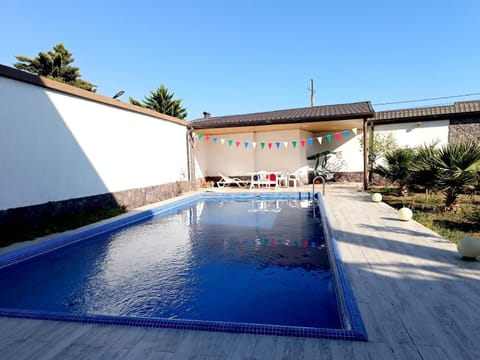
(312, 93)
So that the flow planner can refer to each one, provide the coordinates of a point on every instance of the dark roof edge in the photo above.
(443, 112)
(44, 82)
(198, 123)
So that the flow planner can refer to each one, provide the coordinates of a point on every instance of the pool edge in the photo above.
(349, 312)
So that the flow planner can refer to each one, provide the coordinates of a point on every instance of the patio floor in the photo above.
(418, 300)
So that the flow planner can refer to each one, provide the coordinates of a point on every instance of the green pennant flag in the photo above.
(200, 136)
(329, 138)
(294, 143)
(230, 142)
(262, 145)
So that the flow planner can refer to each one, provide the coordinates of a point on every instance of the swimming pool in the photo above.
(238, 263)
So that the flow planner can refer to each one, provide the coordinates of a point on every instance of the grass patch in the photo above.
(452, 225)
(56, 223)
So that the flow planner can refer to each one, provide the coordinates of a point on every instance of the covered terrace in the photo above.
(280, 140)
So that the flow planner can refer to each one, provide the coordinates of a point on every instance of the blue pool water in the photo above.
(211, 264)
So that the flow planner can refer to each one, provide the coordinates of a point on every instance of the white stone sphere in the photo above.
(377, 197)
(469, 247)
(405, 214)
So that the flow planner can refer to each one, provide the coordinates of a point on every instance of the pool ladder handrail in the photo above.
(319, 177)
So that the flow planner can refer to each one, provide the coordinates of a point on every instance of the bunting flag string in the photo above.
(277, 144)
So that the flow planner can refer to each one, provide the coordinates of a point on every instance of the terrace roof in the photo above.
(461, 108)
(317, 118)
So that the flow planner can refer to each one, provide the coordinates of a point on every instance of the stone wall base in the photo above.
(16, 218)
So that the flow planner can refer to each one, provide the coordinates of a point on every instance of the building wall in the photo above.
(464, 130)
(417, 133)
(214, 158)
(56, 146)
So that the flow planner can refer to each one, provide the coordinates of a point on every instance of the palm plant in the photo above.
(397, 168)
(424, 170)
(458, 166)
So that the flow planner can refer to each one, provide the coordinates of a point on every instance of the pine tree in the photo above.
(55, 65)
(162, 101)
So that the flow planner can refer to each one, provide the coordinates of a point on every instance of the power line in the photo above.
(428, 99)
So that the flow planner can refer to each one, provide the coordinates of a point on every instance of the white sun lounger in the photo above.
(225, 180)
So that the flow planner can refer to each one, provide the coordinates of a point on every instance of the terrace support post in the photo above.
(192, 184)
(365, 154)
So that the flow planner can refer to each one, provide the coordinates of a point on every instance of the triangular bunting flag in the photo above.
(230, 142)
(245, 143)
(329, 138)
(270, 145)
(237, 143)
(200, 136)
(346, 133)
(277, 144)
(214, 139)
(262, 144)
(354, 131)
(310, 142)
(302, 142)
(319, 140)
(207, 137)
(222, 141)
(254, 144)
(337, 135)
(286, 144)
(294, 143)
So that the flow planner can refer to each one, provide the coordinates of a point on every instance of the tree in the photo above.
(458, 167)
(162, 101)
(397, 168)
(55, 65)
(378, 146)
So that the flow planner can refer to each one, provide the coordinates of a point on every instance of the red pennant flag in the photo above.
(270, 145)
(237, 143)
(302, 142)
(337, 135)
(207, 137)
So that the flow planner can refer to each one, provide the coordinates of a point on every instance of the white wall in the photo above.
(417, 133)
(55, 146)
(213, 158)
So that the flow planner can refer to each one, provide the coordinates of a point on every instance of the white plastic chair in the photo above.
(292, 178)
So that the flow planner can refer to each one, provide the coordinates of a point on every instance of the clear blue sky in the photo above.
(232, 57)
